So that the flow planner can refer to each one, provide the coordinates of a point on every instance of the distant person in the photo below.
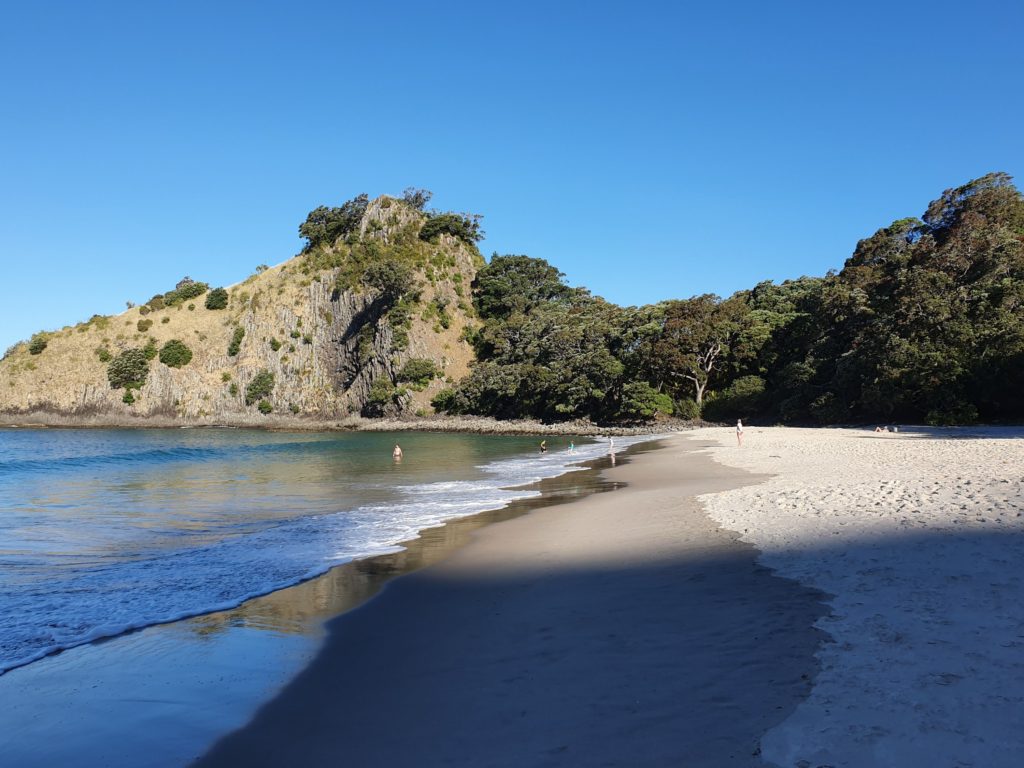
(543, 446)
(739, 432)
(397, 453)
(572, 447)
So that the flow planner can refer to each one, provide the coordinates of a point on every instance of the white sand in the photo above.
(918, 538)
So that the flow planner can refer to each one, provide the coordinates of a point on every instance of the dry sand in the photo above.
(918, 537)
(624, 629)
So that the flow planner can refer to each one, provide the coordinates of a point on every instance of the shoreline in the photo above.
(121, 667)
(623, 628)
(483, 425)
(549, 490)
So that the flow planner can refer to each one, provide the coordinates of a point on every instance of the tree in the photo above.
(697, 335)
(325, 225)
(640, 402)
(416, 198)
(516, 284)
(464, 226)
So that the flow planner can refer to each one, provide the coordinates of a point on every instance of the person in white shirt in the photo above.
(739, 432)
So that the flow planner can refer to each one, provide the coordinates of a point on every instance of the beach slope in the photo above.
(625, 628)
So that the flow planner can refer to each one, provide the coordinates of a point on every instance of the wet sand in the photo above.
(621, 629)
(163, 695)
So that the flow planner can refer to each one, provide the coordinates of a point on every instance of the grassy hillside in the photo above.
(370, 319)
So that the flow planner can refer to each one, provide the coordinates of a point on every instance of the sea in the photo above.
(107, 531)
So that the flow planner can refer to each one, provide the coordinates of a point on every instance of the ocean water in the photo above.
(105, 531)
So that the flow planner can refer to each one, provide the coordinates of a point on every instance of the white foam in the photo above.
(98, 601)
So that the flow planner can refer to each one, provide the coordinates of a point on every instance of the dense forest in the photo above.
(924, 323)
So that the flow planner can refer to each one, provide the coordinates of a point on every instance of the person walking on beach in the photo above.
(397, 453)
(739, 432)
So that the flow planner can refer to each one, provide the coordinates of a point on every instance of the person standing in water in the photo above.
(739, 432)
(572, 447)
(397, 453)
(543, 446)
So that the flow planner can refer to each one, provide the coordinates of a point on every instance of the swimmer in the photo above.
(397, 453)
(543, 446)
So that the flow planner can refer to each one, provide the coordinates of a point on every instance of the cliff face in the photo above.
(334, 345)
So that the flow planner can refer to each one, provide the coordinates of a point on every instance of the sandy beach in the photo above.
(917, 537)
(623, 629)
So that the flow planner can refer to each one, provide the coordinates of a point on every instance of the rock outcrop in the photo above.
(334, 345)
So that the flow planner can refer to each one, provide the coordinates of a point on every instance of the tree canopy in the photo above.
(924, 322)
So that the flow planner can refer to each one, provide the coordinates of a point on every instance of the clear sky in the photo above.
(650, 150)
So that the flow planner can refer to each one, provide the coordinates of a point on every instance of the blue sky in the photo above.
(650, 150)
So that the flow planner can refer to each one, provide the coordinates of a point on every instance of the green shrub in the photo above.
(233, 389)
(175, 354)
(295, 334)
(104, 354)
(261, 386)
(466, 227)
(191, 307)
(128, 369)
(144, 310)
(447, 401)
(225, 377)
(393, 278)
(293, 408)
(185, 290)
(829, 409)
(742, 399)
(641, 401)
(37, 344)
(275, 344)
(156, 303)
(150, 350)
(217, 299)
(325, 225)
(418, 371)
(688, 409)
(166, 320)
(264, 407)
(236, 341)
(383, 395)
(128, 398)
(307, 339)
(952, 415)
(144, 325)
